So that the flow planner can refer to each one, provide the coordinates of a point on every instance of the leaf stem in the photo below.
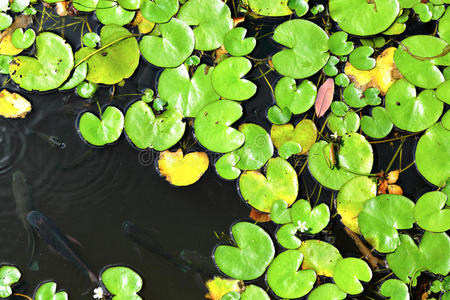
(22, 295)
(408, 166)
(394, 139)
(395, 156)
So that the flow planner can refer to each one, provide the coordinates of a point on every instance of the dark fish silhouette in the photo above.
(57, 241)
(24, 204)
(199, 263)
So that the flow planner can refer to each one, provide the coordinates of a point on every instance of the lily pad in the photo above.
(360, 58)
(225, 166)
(147, 131)
(159, 11)
(320, 256)
(173, 47)
(280, 213)
(278, 116)
(227, 79)
(433, 155)
(304, 134)
(307, 48)
(394, 289)
(342, 125)
(47, 291)
(79, 74)
(110, 12)
(187, 95)
(211, 19)
(23, 40)
(122, 282)
(286, 280)
(50, 68)
(379, 125)
(212, 126)
(338, 43)
(13, 105)
(430, 212)
(254, 251)
(86, 89)
(9, 275)
(286, 236)
(182, 170)
(219, 287)
(444, 26)
(316, 219)
(360, 17)
(262, 191)
(236, 44)
(288, 149)
(298, 99)
(443, 92)
(327, 291)
(112, 64)
(105, 130)
(348, 273)
(5, 21)
(253, 292)
(271, 9)
(411, 112)
(382, 216)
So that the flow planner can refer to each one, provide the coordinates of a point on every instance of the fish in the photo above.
(24, 204)
(199, 263)
(57, 241)
(53, 140)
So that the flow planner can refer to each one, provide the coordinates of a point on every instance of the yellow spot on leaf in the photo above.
(218, 287)
(305, 134)
(182, 170)
(144, 25)
(6, 46)
(13, 105)
(382, 76)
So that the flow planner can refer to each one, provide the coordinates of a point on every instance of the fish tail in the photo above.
(34, 263)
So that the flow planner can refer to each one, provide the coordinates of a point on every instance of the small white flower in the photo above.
(334, 135)
(98, 293)
(302, 226)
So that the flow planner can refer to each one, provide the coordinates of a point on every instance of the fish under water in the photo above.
(57, 241)
(24, 204)
(53, 140)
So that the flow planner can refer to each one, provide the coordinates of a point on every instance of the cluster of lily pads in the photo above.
(343, 60)
(118, 282)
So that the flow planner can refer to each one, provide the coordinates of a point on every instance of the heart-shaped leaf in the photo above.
(249, 260)
(50, 68)
(423, 11)
(122, 282)
(159, 11)
(272, 9)
(289, 148)
(9, 275)
(443, 92)
(348, 273)
(100, 132)
(327, 291)
(236, 44)
(342, 125)
(253, 292)
(339, 108)
(147, 131)
(338, 43)
(211, 19)
(410, 112)
(91, 39)
(299, 98)
(286, 280)
(22, 40)
(307, 48)
(379, 125)
(324, 97)
(110, 12)
(316, 219)
(304, 134)
(287, 238)
(330, 68)
(278, 116)
(430, 213)
(382, 216)
(5, 21)
(360, 58)
(173, 47)
(301, 7)
(262, 191)
(227, 79)
(225, 166)
(219, 287)
(187, 95)
(47, 291)
(182, 170)
(212, 126)
(342, 80)
(394, 289)
(86, 89)
(280, 213)
(444, 26)
(320, 256)
(111, 64)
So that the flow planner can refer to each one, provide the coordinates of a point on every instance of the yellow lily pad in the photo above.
(13, 106)
(382, 76)
(144, 25)
(305, 134)
(182, 170)
(218, 287)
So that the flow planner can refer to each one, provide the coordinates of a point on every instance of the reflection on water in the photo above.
(12, 145)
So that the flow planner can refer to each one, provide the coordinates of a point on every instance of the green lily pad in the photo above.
(307, 48)
(278, 116)
(360, 58)
(212, 126)
(147, 131)
(110, 12)
(225, 166)
(262, 191)
(86, 89)
(433, 155)
(287, 238)
(253, 292)
(320, 256)
(47, 291)
(211, 19)
(91, 39)
(382, 216)
(338, 43)
(410, 112)
(50, 68)
(100, 132)
(355, 157)
(445, 120)
(23, 40)
(342, 80)
(298, 99)
(187, 95)
(9, 275)
(173, 47)
(280, 213)
(257, 148)
(342, 125)
(85, 5)
(360, 17)
(79, 74)
(18, 6)
(394, 289)
(5, 60)
(271, 9)
(286, 280)
(289, 148)
(330, 68)
(233, 295)
(159, 11)
(339, 108)
(353, 96)
(122, 282)
(327, 291)
(254, 251)
(430, 213)
(444, 26)
(114, 63)
(351, 198)
(301, 7)
(348, 273)
(5, 21)
(227, 79)
(236, 44)
(379, 125)
(316, 219)
(443, 92)
(304, 134)
(423, 11)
